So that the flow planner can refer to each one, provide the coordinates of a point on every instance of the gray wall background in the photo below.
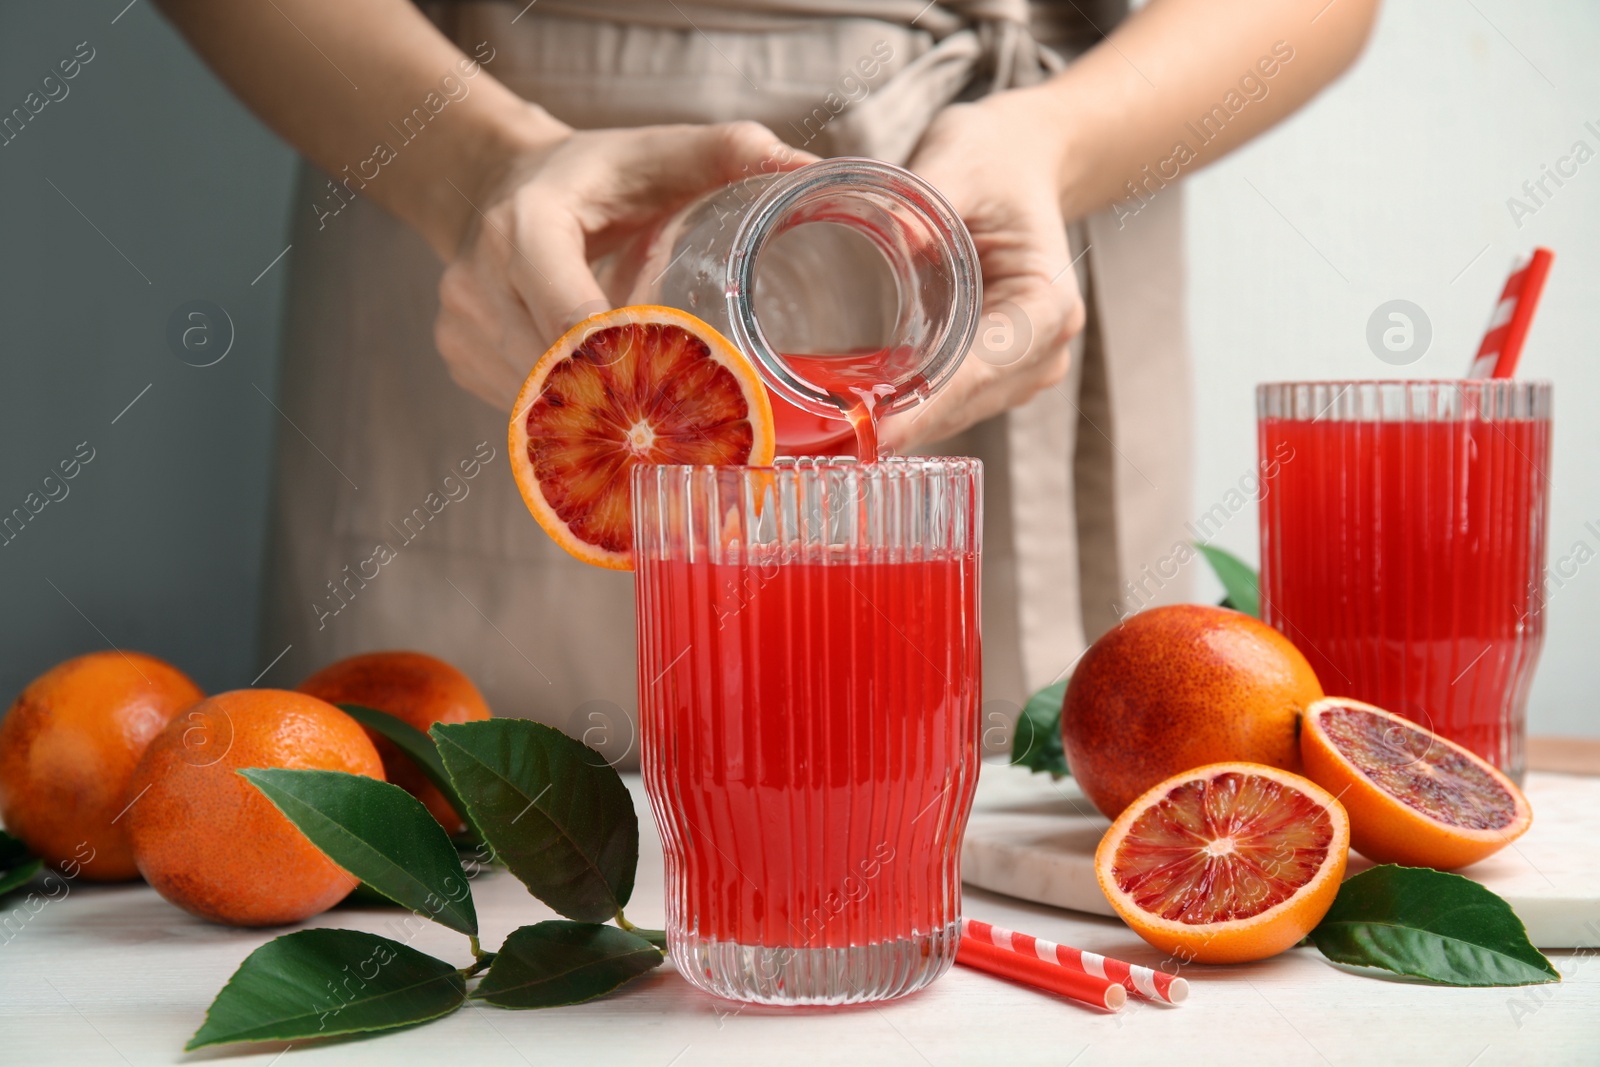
(164, 190)
(1392, 185)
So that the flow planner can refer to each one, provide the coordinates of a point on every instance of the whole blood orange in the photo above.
(208, 840)
(1177, 687)
(635, 385)
(1414, 798)
(67, 748)
(1225, 863)
(415, 688)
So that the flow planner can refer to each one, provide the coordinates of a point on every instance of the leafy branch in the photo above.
(546, 805)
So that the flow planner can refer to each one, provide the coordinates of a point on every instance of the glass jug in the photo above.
(851, 283)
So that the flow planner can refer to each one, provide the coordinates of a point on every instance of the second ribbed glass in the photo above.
(808, 700)
(1403, 530)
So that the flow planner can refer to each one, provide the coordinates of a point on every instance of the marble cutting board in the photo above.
(1034, 838)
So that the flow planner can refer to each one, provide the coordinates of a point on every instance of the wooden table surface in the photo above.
(115, 975)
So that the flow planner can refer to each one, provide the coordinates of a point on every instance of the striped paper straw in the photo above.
(1508, 326)
(1155, 985)
(1040, 974)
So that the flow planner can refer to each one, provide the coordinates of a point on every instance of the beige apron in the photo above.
(396, 523)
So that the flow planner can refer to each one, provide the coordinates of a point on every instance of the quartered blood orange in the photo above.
(634, 385)
(1413, 797)
(1225, 863)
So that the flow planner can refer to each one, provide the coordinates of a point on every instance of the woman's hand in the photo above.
(995, 161)
(522, 275)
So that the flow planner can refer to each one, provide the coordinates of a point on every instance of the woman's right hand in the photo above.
(522, 277)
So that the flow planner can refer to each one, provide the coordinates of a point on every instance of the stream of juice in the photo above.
(857, 380)
(1403, 558)
(817, 725)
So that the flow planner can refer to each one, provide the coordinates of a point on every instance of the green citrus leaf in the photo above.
(319, 983)
(1428, 924)
(17, 865)
(1238, 579)
(560, 962)
(558, 817)
(417, 746)
(15, 877)
(379, 833)
(1036, 744)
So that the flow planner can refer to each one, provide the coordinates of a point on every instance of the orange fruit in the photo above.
(635, 385)
(1177, 687)
(1413, 797)
(67, 748)
(213, 844)
(415, 688)
(1225, 863)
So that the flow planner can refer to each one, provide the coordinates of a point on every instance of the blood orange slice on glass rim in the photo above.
(635, 385)
(1225, 863)
(1414, 798)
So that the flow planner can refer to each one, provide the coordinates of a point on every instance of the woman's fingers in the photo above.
(739, 150)
(484, 333)
(960, 403)
(608, 180)
(525, 277)
(1022, 347)
(988, 160)
(547, 266)
(670, 165)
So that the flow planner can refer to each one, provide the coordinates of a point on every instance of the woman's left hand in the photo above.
(993, 161)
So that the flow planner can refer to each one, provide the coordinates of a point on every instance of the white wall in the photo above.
(1399, 176)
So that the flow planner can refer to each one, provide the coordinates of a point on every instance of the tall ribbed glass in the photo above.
(808, 703)
(1403, 530)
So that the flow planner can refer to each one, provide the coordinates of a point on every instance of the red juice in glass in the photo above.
(809, 684)
(796, 763)
(1403, 529)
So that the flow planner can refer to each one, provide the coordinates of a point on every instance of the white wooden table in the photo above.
(115, 975)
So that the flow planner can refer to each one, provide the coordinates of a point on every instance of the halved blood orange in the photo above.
(1225, 863)
(634, 385)
(1414, 798)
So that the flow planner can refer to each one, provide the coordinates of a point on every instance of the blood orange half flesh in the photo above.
(630, 386)
(1225, 863)
(1414, 797)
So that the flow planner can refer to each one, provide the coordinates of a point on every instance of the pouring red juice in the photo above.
(856, 381)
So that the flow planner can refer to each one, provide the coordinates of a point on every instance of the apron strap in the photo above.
(993, 50)
(978, 47)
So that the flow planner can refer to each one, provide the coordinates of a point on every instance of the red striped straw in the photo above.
(1152, 984)
(1084, 988)
(1508, 327)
